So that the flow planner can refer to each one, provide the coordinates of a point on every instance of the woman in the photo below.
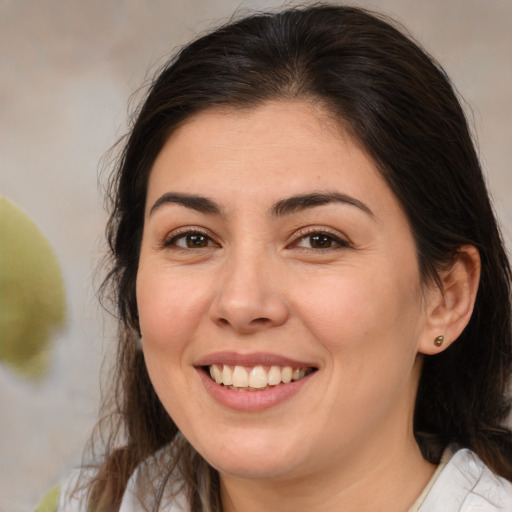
(312, 289)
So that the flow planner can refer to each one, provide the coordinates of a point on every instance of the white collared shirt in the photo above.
(462, 483)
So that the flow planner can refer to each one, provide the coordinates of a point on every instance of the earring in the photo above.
(439, 341)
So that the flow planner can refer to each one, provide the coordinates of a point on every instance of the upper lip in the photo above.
(249, 360)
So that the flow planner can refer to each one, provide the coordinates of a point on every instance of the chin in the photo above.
(255, 461)
(254, 470)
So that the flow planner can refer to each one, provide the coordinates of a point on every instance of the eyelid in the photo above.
(170, 238)
(342, 240)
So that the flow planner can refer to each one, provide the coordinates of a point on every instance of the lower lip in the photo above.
(252, 401)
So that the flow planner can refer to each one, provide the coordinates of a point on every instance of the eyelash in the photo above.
(335, 242)
(175, 237)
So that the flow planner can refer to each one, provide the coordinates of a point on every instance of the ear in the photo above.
(449, 308)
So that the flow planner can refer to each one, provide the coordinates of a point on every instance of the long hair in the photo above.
(398, 103)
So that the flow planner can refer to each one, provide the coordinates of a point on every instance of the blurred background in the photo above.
(67, 71)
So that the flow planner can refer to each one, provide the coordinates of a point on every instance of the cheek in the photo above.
(370, 329)
(363, 317)
(169, 310)
(168, 318)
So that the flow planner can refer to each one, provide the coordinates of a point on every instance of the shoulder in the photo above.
(71, 495)
(466, 484)
(62, 497)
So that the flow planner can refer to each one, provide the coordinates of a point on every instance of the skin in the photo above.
(353, 306)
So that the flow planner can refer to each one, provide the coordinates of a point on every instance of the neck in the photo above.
(373, 481)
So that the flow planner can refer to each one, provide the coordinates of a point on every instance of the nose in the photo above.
(249, 297)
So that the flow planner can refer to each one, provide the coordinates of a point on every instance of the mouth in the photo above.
(255, 378)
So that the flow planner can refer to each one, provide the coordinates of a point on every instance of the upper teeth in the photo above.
(255, 377)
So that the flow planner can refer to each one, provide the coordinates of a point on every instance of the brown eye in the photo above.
(195, 241)
(319, 241)
(191, 241)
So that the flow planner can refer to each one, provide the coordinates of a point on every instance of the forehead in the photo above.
(273, 150)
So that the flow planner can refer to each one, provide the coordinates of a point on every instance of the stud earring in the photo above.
(439, 341)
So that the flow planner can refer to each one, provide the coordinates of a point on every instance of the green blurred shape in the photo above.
(32, 298)
(50, 501)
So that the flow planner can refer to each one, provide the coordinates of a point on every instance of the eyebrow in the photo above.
(194, 202)
(305, 201)
(281, 208)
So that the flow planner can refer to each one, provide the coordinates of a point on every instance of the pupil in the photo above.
(320, 241)
(196, 241)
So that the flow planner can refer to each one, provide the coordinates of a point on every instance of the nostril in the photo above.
(260, 321)
(256, 322)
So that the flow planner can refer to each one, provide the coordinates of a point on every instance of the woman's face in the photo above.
(273, 249)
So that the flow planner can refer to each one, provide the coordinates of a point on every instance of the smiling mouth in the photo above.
(255, 378)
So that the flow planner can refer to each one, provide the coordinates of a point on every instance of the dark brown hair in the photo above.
(399, 104)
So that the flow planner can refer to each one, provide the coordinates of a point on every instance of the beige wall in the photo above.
(67, 69)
